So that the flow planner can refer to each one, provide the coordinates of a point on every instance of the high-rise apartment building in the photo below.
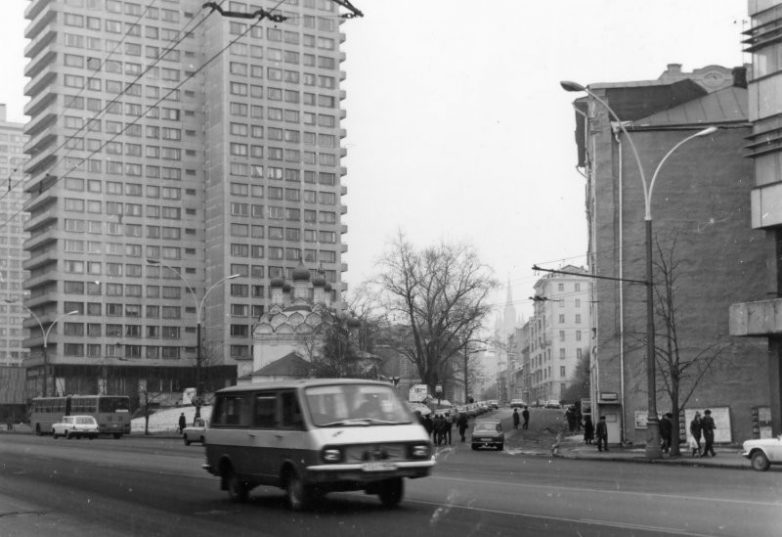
(12, 237)
(181, 157)
(559, 332)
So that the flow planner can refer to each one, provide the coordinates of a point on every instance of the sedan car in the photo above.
(76, 426)
(195, 432)
(763, 452)
(517, 403)
(488, 434)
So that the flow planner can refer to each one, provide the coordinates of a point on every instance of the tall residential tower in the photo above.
(182, 155)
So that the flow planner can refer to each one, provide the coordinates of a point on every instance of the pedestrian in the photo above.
(525, 417)
(462, 423)
(602, 434)
(666, 430)
(516, 418)
(708, 426)
(428, 424)
(589, 429)
(182, 423)
(447, 428)
(695, 431)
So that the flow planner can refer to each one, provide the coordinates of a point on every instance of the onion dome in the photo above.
(276, 282)
(301, 274)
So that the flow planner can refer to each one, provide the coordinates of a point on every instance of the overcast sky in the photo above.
(457, 127)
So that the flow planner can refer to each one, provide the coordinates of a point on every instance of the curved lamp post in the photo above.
(45, 335)
(653, 450)
(199, 310)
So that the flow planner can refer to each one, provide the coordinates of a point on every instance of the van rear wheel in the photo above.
(391, 491)
(759, 461)
(237, 489)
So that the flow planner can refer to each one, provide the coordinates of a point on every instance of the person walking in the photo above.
(525, 417)
(695, 430)
(182, 423)
(708, 426)
(428, 424)
(589, 430)
(447, 428)
(516, 418)
(666, 430)
(602, 434)
(462, 424)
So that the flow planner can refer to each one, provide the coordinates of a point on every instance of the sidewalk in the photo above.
(573, 447)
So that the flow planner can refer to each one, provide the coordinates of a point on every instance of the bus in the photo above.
(112, 412)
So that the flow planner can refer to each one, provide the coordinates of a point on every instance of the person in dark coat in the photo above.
(525, 417)
(462, 423)
(589, 429)
(602, 434)
(516, 418)
(447, 429)
(666, 430)
(428, 424)
(695, 431)
(708, 426)
(182, 423)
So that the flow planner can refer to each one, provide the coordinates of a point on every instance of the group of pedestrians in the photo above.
(702, 427)
(440, 428)
(517, 419)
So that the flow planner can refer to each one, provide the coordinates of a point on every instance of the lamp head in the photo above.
(569, 85)
(153, 261)
(232, 276)
(707, 131)
(74, 312)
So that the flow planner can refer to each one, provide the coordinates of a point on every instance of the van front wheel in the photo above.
(297, 493)
(391, 492)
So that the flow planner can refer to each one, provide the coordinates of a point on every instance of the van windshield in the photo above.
(355, 405)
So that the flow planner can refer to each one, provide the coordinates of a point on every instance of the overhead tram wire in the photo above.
(183, 34)
(156, 103)
(71, 98)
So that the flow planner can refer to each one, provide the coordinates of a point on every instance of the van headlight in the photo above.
(420, 451)
(331, 455)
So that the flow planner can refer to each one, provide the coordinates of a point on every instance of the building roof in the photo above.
(290, 365)
(728, 105)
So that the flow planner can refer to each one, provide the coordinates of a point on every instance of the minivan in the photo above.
(314, 436)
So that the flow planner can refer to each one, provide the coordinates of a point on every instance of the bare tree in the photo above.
(438, 295)
(680, 369)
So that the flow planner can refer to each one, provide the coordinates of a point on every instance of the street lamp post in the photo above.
(199, 305)
(45, 335)
(653, 450)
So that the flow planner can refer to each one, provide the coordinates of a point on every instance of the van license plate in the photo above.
(378, 466)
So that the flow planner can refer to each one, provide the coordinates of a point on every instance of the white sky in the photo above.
(457, 127)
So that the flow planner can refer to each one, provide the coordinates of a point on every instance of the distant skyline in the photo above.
(457, 128)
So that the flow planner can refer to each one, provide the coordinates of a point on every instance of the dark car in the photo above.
(488, 434)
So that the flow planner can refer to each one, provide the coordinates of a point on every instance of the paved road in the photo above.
(155, 487)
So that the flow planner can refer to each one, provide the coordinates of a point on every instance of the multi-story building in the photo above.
(700, 231)
(560, 331)
(181, 157)
(12, 237)
(756, 314)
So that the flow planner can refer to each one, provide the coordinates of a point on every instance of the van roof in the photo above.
(300, 383)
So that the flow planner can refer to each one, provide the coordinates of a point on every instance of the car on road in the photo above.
(195, 432)
(76, 426)
(552, 403)
(763, 452)
(488, 434)
(517, 403)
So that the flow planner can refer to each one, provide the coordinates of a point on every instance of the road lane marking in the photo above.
(613, 491)
(586, 521)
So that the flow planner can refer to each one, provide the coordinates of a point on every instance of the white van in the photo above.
(313, 436)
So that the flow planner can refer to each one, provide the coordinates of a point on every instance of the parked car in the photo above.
(195, 432)
(552, 403)
(76, 426)
(763, 452)
(517, 403)
(488, 433)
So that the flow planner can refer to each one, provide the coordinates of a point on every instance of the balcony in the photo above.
(41, 160)
(39, 83)
(34, 47)
(39, 220)
(41, 142)
(41, 61)
(45, 118)
(43, 258)
(759, 318)
(35, 7)
(38, 104)
(45, 17)
(766, 206)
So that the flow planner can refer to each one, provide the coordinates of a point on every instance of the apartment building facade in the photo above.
(559, 331)
(12, 237)
(180, 159)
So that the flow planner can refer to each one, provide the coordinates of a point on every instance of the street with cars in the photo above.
(155, 486)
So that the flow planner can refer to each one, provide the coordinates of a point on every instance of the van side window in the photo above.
(291, 411)
(232, 410)
(265, 410)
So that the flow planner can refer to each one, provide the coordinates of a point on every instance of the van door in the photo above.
(263, 439)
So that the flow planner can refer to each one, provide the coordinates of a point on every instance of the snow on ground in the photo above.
(167, 420)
